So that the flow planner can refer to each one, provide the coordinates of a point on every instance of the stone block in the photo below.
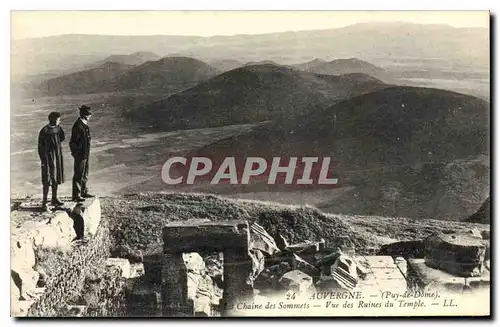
(402, 265)
(345, 244)
(300, 264)
(344, 272)
(153, 266)
(261, 240)
(307, 248)
(143, 298)
(425, 278)
(281, 241)
(325, 262)
(90, 210)
(379, 261)
(458, 254)
(174, 286)
(296, 281)
(406, 249)
(191, 236)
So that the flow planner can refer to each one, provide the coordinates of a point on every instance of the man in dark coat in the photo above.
(50, 152)
(80, 150)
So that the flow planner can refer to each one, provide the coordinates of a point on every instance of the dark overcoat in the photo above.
(50, 153)
(80, 140)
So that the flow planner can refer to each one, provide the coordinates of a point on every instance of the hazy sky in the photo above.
(26, 24)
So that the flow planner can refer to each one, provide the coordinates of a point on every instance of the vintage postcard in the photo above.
(250, 163)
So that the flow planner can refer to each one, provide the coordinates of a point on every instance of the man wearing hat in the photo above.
(51, 159)
(80, 150)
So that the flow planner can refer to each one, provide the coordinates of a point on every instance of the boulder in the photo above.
(261, 240)
(296, 281)
(458, 254)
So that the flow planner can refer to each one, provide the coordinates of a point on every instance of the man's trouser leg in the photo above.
(79, 169)
(45, 194)
(85, 176)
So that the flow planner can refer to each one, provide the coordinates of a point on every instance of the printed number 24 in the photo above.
(290, 295)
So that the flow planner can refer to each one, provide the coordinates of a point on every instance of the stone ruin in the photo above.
(231, 238)
(257, 265)
(205, 267)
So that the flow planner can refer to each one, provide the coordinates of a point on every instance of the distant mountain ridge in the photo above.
(163, 73)
(88, 81)
(466, 46)
(343, 66)
(169, 73)
(133, 59)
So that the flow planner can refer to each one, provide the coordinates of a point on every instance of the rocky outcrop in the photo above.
(52, 237)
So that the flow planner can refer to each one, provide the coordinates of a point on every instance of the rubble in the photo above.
(296, 281)
(203, 266)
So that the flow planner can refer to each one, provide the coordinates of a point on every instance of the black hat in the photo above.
(85, 110)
